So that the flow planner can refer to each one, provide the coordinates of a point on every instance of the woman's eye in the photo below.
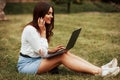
(49, 13)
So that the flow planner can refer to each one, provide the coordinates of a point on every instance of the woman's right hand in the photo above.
(56, 49)
(41, 24)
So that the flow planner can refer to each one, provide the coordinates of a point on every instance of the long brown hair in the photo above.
(40, 10)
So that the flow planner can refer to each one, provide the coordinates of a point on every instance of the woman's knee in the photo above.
(68, 52)
(61, 56)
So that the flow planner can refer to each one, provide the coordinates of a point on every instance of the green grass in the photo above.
(98, 43)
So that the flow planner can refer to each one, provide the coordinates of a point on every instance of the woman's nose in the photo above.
(51, 16)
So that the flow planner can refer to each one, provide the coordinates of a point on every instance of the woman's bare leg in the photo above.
(79, 66)
(83, 60)
(48, 64)
(68, 61)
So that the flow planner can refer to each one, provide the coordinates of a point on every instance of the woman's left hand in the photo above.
(41, 24)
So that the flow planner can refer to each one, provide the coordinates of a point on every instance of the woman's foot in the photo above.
(109, 72)
(111, 64)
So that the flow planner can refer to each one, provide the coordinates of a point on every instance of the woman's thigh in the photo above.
(48, 64)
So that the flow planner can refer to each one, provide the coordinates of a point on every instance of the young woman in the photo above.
(34, 46)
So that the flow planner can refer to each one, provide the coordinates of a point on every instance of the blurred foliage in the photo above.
(18, 8)
(81, 1)
(67, 1)
(115, 1)
(59, 1)
(25, 8)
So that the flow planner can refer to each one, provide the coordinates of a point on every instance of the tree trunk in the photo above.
(2, 6)
(68, 5)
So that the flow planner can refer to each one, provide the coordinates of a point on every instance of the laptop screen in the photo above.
(70, 44)
(73, 39)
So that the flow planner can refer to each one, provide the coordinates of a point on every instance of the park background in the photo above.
(98, 42)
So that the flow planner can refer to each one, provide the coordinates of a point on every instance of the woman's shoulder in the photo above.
(29, 28)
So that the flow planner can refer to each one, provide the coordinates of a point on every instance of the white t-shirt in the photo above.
(32, 43)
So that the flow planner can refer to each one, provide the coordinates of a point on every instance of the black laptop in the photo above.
(70, 44)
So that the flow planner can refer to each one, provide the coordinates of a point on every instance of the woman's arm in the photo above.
(39, 44)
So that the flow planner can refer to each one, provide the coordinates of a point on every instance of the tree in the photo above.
(68, 5)
(68, 2)
(2, 6)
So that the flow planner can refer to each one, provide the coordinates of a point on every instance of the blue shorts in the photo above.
(28, 65)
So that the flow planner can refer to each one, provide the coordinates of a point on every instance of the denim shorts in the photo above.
(28, 65)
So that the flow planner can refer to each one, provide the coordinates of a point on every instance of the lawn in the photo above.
(98, 42)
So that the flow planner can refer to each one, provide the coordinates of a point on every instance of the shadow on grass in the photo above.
(25, 8)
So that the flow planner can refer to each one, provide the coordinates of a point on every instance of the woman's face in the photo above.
(48, 17)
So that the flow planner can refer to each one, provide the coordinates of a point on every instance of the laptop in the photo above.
(70, 44)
